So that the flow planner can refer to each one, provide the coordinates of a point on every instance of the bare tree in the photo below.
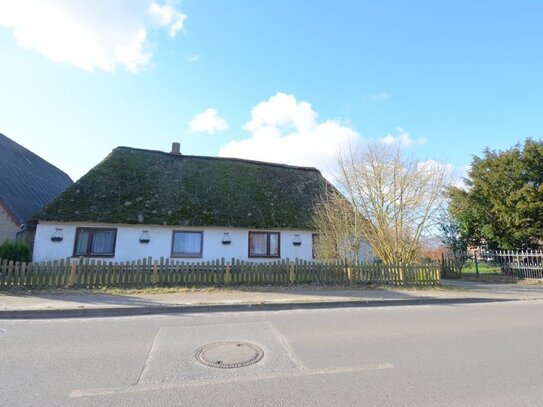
(392, 201)
(337, 223)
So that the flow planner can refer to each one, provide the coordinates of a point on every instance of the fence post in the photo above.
(292, 271)
(476, 264)
(520, 274)
(220, 267)
(154, 276)
(349, 273)
(228, 273)
(147, 270)
(73, 274)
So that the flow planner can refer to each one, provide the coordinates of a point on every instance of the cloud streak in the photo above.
(403, 138)
(377, 96)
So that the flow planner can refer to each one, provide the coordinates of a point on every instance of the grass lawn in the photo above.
(488, 273)
(484, 268)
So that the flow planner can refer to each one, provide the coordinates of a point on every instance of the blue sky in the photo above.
(285, 81)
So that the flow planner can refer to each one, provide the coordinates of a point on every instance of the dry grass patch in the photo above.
(290, 288)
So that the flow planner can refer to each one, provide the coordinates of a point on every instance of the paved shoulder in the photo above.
(505, 290)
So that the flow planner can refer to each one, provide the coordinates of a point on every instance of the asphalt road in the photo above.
(477, 354)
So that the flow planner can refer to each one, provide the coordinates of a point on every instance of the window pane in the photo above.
(258, 243)
(82, 242)
(187, 243)
(274, 244)
(103, 242)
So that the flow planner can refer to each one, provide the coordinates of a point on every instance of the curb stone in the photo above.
(196, 309)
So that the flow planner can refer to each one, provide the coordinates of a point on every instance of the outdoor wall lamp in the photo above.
(57, 235)
(144, 237)
(226, 238)
(297, 241)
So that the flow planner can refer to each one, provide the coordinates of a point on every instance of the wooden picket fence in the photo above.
(451, 268)
(92, 273)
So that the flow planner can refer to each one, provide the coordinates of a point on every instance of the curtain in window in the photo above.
(258, 243)
(274, 244)
(82, 241)
(103, 241)
(187, 243)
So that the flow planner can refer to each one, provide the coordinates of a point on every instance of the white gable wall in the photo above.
(8, 227)
(128, 246)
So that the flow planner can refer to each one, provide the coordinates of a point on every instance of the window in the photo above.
(95, 242)
(187, 244)
(264, 244)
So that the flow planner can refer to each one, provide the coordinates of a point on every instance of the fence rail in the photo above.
(92, 273)
(519, 264)
(525, 264)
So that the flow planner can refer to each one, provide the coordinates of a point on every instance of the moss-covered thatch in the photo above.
(151, 187)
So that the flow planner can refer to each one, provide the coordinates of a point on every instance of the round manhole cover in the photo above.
(229, 355)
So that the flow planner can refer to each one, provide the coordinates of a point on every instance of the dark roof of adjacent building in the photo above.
(151, 187)
(27, 182)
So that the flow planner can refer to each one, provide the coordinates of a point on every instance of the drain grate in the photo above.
(229, 355)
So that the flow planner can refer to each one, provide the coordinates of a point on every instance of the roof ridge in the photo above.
(243, 160)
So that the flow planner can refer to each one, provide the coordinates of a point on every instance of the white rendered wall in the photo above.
(8, 228)
(128, 246)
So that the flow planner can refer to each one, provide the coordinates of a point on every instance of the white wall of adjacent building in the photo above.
(128, 246)
(8, 227)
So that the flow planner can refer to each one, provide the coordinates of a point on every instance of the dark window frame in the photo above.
(187, 256)
(91, 231)
(267, 255)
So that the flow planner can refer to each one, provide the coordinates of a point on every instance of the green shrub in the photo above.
(16, 251)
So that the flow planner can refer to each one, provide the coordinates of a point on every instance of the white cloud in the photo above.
(403, 138)
(459, 175)
(193, 58)
(97, 34)
(431, 165)
(285, 130)
(454, 176)
(378, 96)
(208, 121)
(168, 16)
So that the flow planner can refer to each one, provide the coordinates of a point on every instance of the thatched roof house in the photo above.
(180, 199)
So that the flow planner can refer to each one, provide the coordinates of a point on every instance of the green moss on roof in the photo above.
(150, 187)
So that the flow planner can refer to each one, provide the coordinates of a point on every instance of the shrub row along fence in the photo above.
(91, 273)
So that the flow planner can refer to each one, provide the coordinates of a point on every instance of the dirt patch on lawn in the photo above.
(530, 282)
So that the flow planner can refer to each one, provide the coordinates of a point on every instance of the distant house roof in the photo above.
(152, 187)
(27, 182)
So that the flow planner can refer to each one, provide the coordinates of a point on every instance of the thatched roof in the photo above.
(27, 182)
(152, 187)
